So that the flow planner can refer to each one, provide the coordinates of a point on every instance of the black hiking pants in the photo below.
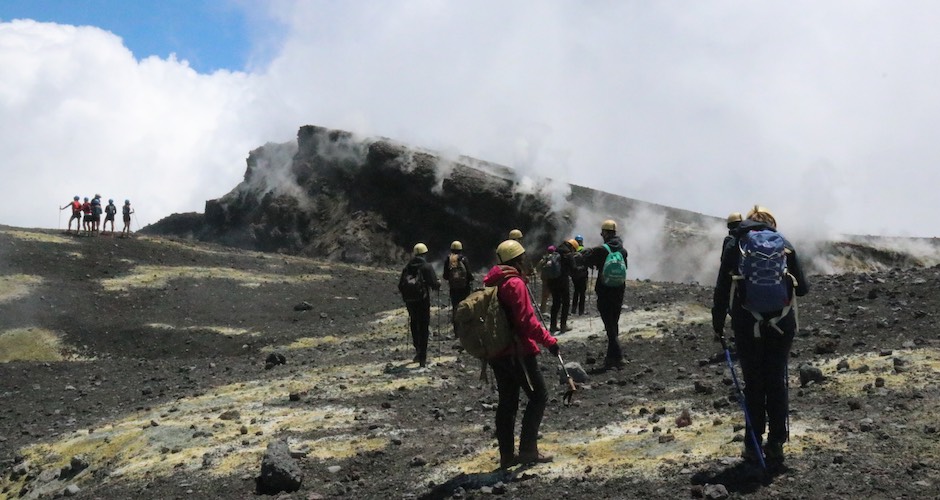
(513, 373)
(580, 291)
(561, 299)
(764, 367)
(419, 319)
(609, 303)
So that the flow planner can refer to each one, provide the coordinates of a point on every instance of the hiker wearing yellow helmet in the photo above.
(517, 367)
(416, 281)
(610, 259)
(733, 221)
(758, 282)
(457, 275)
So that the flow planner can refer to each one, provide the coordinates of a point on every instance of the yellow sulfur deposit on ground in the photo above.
(160, 276)
(16, 286)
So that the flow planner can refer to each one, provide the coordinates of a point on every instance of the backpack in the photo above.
(614, 272)
(552, 267)
(457, 273)
(96, 209)
(110, 209)
(578, 265)
(481, 324)
(763, 271)
(411, 285)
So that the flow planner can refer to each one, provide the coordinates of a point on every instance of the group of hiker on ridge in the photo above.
(87, 215)
(758, 281)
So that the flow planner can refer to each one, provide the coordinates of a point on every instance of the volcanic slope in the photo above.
(136, 368)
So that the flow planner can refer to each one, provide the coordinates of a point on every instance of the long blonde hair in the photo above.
(762, 214)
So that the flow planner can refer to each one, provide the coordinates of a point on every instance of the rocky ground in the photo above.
(136, 368)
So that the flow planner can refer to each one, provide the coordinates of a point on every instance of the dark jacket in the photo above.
(595, 258)
(422, 265)
(565, 250)
(723, 303)
(461, 259)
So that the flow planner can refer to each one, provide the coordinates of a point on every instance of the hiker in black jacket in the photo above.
(579, 276)
(457, 275)
(609, 298)
(734, 220)
(415, 283)
(763, 346)
(560, 286)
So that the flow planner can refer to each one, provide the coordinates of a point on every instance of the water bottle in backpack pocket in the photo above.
(763, 271)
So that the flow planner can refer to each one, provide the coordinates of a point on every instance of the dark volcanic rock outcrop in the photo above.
(345, 198)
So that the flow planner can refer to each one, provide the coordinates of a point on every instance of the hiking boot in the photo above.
(773, 453)
(554, 328)
(507, 462)
(616, 364)
(534, 457)
(564, 327)
(749, 455)
(416, 359)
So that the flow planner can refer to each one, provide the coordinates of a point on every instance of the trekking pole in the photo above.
(743, 402)
(60, 219)
(572, 388)
(440, 343)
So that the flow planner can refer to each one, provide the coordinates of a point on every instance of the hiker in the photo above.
(610, 259)
(415, 283)
(733, 221)
(457, 275)
(86, 215)
(518, 367)
(76, 214)
(127, 211)
(515, 234)
(96, 213)
(579, 277)
(109, 211)
(540, 268)
(560, 287)
(764, 320)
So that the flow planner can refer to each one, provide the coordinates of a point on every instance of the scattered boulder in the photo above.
(826, 346)
(230, 415)
(684, 419)
(715, 491)
(702, 388)
(810, 374)
(279, 471)
(303, 306)
(274, 359)
(575, 370)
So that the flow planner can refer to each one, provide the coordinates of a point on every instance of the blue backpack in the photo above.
(614, 272)
(763, 271)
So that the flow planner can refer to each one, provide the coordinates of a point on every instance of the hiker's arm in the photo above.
(594, 257)
(795, 269)
(721, 299)
(519, 306)
(431, 277)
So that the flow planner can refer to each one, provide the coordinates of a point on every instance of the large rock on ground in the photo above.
(279, 471)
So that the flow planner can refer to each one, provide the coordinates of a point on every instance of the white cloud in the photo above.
(822, 111)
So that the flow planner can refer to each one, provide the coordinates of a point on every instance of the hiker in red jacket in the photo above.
(76, 214)
(517, 367)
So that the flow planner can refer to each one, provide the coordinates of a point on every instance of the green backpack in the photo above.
(481, 324)
(614, 272)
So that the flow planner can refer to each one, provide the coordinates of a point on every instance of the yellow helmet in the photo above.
(734, 217)
(515, 234)
(420, 249)
(456, 245)
(508, 250)
(574, 244)
(762, 214)
(608, 225)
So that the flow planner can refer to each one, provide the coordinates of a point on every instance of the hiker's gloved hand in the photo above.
(554, 349)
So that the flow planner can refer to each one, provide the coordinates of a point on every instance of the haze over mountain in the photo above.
(705, 107)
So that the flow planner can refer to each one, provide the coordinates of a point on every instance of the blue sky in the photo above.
(209, 34)
(824, 112)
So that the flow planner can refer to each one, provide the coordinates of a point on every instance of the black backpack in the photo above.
(578, 265)
(411, 285)
(552, 267)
